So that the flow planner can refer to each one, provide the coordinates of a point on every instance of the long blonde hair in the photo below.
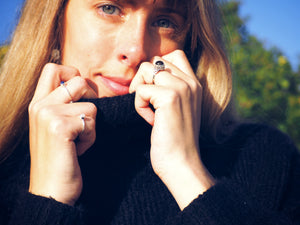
(38, 33)
(213, 70)
(30, 49)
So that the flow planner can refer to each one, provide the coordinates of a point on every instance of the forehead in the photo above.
(180, 6)
(169, 3)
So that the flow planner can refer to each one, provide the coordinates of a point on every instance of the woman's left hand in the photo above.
(176, 96)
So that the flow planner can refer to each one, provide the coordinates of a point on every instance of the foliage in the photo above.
(3, 50)
(266, 88)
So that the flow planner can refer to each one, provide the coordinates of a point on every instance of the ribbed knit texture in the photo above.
(257, 171)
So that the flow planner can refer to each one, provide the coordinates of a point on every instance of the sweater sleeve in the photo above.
(21, 207)
(263, 187)
(36, 210)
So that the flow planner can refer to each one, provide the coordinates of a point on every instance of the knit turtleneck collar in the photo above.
(118, 125)
(120, 151)
(117, 111)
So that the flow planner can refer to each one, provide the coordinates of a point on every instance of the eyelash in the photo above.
(156, 23)
(170, 23)
(115, 8)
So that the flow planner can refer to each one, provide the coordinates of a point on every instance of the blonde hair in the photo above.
(38, 33)
(213, 70)
(30, 49)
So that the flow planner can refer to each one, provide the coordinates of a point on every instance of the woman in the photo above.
(130, 122)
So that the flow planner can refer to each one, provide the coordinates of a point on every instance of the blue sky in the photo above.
(274, 22)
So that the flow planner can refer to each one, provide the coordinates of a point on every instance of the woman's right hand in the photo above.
(56, 133)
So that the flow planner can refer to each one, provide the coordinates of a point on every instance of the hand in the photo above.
(176, 97)
(54, 126)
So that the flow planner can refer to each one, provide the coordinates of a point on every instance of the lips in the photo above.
(119, 86)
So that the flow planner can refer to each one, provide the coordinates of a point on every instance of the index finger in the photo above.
(51, 77)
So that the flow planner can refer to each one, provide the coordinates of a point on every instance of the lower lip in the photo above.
(117, 88)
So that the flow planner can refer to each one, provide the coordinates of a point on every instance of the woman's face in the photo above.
(108, 40)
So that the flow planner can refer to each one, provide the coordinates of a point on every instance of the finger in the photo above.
(51, 77)
(176, 63)
(173, 70)
(147, 75)
(179, 59)
(188, 88)
(65, 122)
(144, 75)
(161, 98)
(143, 108)
(71, 91)
(43, 115)
(87, 135)
(77, 108)
(72, 130)
(166, 79)
(186, 82)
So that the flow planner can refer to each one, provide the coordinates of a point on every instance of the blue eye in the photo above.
(110, 9)
(164, 23)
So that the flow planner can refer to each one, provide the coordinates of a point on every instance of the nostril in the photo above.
(124, 57)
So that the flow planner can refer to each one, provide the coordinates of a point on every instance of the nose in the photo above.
(132, 42)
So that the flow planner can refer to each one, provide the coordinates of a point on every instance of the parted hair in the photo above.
(39, 31)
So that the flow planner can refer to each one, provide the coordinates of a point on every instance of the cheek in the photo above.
(85, 49)
(167, 46)
(84, 45)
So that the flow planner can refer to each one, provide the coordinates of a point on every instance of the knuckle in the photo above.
(34, 108)
(172, 96)
(196, 86)
(179, 53)
(185, 88)
(90, 109)
(80, 82)
(56, 125)
(50, 68)
(73, 70)
(46, 116)
(144, 66)
(139, 89)
(43, 113)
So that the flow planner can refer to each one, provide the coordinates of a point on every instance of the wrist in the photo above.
(186, 181)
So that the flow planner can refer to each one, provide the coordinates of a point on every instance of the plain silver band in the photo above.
(65, 87)
(82, 117)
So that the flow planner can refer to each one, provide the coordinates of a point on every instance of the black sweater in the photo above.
(257, 171)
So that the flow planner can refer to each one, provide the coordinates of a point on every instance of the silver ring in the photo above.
(65, 87)
(82, 117)
(158, 66)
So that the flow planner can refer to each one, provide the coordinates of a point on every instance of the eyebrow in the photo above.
(164, 8)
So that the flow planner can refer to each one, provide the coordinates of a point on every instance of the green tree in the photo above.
(266, 88)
